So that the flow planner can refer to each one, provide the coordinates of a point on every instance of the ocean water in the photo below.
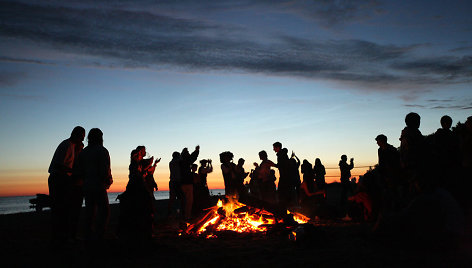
(18, 204)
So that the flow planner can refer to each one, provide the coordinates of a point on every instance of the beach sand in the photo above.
(25, 242)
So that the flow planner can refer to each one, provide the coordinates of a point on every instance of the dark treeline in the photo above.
(417, 189)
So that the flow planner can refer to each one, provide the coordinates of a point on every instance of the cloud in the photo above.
(447, 67)
(461, 49)
(150, 35)
(444, 104)
(23, 60)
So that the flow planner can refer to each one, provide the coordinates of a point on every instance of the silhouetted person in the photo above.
(319, 172)
(411, 144)
(240, 174)
(60, 184)
(311, 197)
(286, 187)
(345, 169)
(76, 197)
(187, 178)
(136, 204)
(466, 161)
(445, 148)
(148, 169)
(201, 192)
(228, 168)
(295, 170)
(389, 159)
(175, 183)
(94, 167)
(264, 179)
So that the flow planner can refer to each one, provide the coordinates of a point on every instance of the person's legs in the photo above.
(75, 206)
(103, 212)
(59, 217)
(188, 193)
(90, 213)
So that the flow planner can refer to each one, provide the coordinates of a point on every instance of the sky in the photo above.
(322, 77)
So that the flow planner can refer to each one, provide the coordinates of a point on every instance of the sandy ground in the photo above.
(25, 242)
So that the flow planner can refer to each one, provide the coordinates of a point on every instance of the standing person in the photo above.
(148, 169)
(311, 197)
(175, 186)
(94, 167)
(445, 148)
(345, 169)
(136, 208)
(241, 174)
(286, 189)
(228, 170)
(202, 194)
(295, 174)
(60, 183)
(411, 147)
(264, 179)
(187, 178)
(319, 172)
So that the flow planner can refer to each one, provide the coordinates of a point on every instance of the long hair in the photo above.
(77, 132)
(95, 137)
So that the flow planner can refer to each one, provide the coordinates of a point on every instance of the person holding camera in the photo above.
(345, 169)
(200, 187)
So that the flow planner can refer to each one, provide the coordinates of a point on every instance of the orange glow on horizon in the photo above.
(23, 183)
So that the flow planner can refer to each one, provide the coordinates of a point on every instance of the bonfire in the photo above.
(237, 217)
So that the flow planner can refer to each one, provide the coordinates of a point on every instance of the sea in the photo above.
(20, 204)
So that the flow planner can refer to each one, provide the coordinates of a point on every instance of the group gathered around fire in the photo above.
(419, 187)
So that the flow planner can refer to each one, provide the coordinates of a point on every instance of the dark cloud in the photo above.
(444, 104)
(22, 60)
(328, 13)
(461, 49)
(446, 67)
(149, 35)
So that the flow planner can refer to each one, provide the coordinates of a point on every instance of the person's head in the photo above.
(412, 120)
(241, 161)
(141, 151)
(77, 135)
(344, 157)
(277, 146)
(305, 164)
(226, 157)
(184, 153)
(381, 140)
(446, 122)
(263, 155)
(203, 162)
(468, 123)
(317, 162)
(175, 155)
(95, 137)
(194, 167)
(134, 154)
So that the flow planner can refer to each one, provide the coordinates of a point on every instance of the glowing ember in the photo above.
(236, 217)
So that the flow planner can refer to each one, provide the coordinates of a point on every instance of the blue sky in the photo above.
(322, 77)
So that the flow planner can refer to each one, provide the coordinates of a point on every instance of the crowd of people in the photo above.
(424, 171)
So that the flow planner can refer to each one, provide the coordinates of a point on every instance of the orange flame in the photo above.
(231, 216)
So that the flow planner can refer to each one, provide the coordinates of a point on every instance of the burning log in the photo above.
(236, 217)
